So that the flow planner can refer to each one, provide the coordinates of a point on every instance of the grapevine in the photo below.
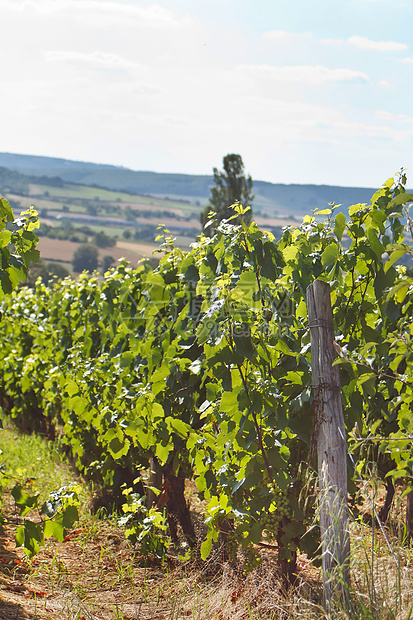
(203, 366)
(279, 509)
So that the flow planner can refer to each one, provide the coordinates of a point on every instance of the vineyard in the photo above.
(200, 369)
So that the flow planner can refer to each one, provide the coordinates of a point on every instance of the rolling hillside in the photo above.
(270, 198)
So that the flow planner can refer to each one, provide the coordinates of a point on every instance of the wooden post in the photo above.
(409, 517)
(331, 448)
(155, 481)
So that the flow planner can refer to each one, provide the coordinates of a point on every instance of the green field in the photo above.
(95, 194)
(58, 203)
(57, 206)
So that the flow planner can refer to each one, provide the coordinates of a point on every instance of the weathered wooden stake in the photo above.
(409, 517)
(155, 481)
(331, 448)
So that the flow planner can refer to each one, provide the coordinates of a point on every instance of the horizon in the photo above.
(78, 161)
(306, 94)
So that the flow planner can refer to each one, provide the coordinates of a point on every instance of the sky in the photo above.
(306, 92)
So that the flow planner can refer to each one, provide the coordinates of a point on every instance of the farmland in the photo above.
(90, 210)
(71, 214)
(52, 249)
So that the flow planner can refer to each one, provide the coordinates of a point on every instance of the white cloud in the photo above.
(291, 121)
(380, 46)
(332, 41)
(285, 36)
(304, 74)
(348, 128)
(154, 14)
(384, 115)
(147, 89)
(94, 58)
(172, 91)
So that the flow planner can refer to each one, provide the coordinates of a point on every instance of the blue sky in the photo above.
(307, 92)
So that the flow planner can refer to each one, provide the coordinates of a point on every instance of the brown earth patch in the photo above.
(55, 249)
(97, 575)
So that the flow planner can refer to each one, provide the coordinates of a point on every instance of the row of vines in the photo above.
(18, 242)
(200, 369)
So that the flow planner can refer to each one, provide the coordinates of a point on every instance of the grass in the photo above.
(95, 573)
(32, 461)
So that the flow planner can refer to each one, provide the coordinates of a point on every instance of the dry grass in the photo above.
(95, 574)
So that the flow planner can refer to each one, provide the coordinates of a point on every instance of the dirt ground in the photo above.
(95, 574)
(142, 249)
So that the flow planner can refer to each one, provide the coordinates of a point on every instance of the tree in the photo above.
(85, 258)
(102, 240)
(57, 270)
(107, 263)
(47, 272)
(231, 186)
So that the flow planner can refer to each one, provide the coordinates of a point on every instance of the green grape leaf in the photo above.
(340, 225)
(401, 199)
(330, 256)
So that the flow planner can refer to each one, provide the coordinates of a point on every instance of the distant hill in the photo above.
(19, 182)
(270, 198)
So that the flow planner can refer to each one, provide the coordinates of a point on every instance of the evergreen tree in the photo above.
(231, 186)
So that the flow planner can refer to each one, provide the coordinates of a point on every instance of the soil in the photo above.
(95, 574)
